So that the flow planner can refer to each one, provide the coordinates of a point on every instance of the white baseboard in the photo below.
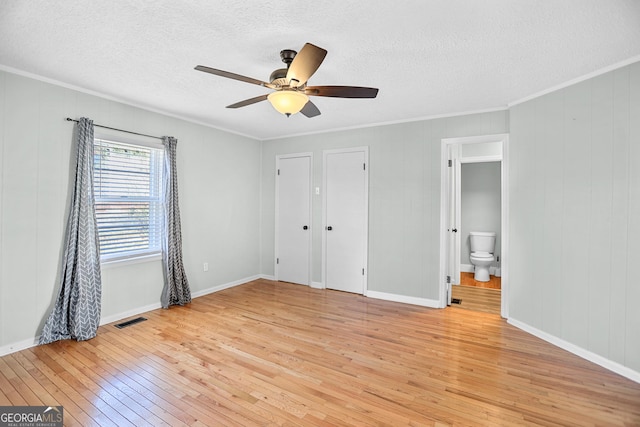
(266, 277)
(578, 351)
(133, 312)
(226, 286)
(32, 342)
(572, 348)
(466, 268)
(316, 285)
(20, 345)
(432, 303)
(150, 307)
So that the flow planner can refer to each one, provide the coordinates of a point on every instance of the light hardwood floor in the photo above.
(268, 353)
(477, 296)
(476, 299)
(466, 279)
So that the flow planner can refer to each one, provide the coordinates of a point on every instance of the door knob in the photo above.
(329, 228)
(304, 227)
(455, 230)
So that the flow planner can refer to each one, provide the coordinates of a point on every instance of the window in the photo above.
(128, 198)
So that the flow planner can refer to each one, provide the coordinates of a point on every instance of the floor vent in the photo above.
(130, 322)
(456, 301)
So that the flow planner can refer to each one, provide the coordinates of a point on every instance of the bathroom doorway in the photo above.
(474, 198)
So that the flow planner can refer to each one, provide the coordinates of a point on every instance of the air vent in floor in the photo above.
(130, 322)
(456, 301)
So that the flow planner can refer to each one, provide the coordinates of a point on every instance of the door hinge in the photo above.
(363, 271)
(450, 164)
(277, 260)
(279, 170)
(448, 279)
(364, 166)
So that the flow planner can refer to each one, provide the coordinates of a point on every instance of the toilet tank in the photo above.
(482, 241)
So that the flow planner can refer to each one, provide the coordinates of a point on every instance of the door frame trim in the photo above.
(277, 212)
(504, 210)
(325, 153)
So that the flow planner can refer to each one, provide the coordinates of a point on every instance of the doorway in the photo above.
(457, 152)
(345, 219)
(293, 218)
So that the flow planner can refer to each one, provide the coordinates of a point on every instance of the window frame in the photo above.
(139, 255)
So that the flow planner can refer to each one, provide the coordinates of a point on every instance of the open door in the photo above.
(453, 218)
(454, 152)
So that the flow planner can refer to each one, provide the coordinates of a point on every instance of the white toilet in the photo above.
(482, 246)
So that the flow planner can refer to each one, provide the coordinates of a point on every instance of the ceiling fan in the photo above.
(291, 93)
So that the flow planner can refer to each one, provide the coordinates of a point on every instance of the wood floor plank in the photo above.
(111, 387)
(4, 399)
(66, 394)
(86, 377)
(271, 353)
(165, 403)
(477, 299)
(72, 412)
(24, 369)
(6, 385)
(467, 279)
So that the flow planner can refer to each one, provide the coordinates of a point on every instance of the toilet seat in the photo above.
(482, 255)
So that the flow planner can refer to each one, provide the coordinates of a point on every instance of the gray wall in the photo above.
(575, 214)
(480, 203)
(404, 197)
(219, 197)
(574, 206)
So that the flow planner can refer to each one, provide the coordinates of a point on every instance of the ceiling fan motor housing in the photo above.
(278, 77)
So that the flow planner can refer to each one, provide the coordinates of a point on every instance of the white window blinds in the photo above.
(128, 198)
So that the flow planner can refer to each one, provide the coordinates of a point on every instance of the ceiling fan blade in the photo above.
(233, 76)
(342, 91)
(310, 110)
(305, 63)
(248, 101)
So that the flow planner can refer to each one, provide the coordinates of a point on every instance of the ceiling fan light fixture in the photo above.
(290, 84)
(288, 102)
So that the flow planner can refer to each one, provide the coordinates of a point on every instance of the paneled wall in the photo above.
(575, 215)
(218, 175)
(574, 206)
(404, 197)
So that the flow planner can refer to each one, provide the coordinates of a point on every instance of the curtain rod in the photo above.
(119, 130)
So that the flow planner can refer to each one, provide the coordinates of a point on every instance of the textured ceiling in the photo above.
(427, 57)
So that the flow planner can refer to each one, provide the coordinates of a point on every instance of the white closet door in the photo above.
(293, 225)
(346, 184)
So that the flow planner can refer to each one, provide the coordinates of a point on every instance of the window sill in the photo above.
(133, 259)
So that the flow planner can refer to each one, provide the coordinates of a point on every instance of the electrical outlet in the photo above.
(205, 266)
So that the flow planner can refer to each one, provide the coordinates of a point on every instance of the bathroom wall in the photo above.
(480, 203)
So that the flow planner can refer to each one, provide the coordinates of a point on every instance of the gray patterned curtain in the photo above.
(76, 314)
(176, 286)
